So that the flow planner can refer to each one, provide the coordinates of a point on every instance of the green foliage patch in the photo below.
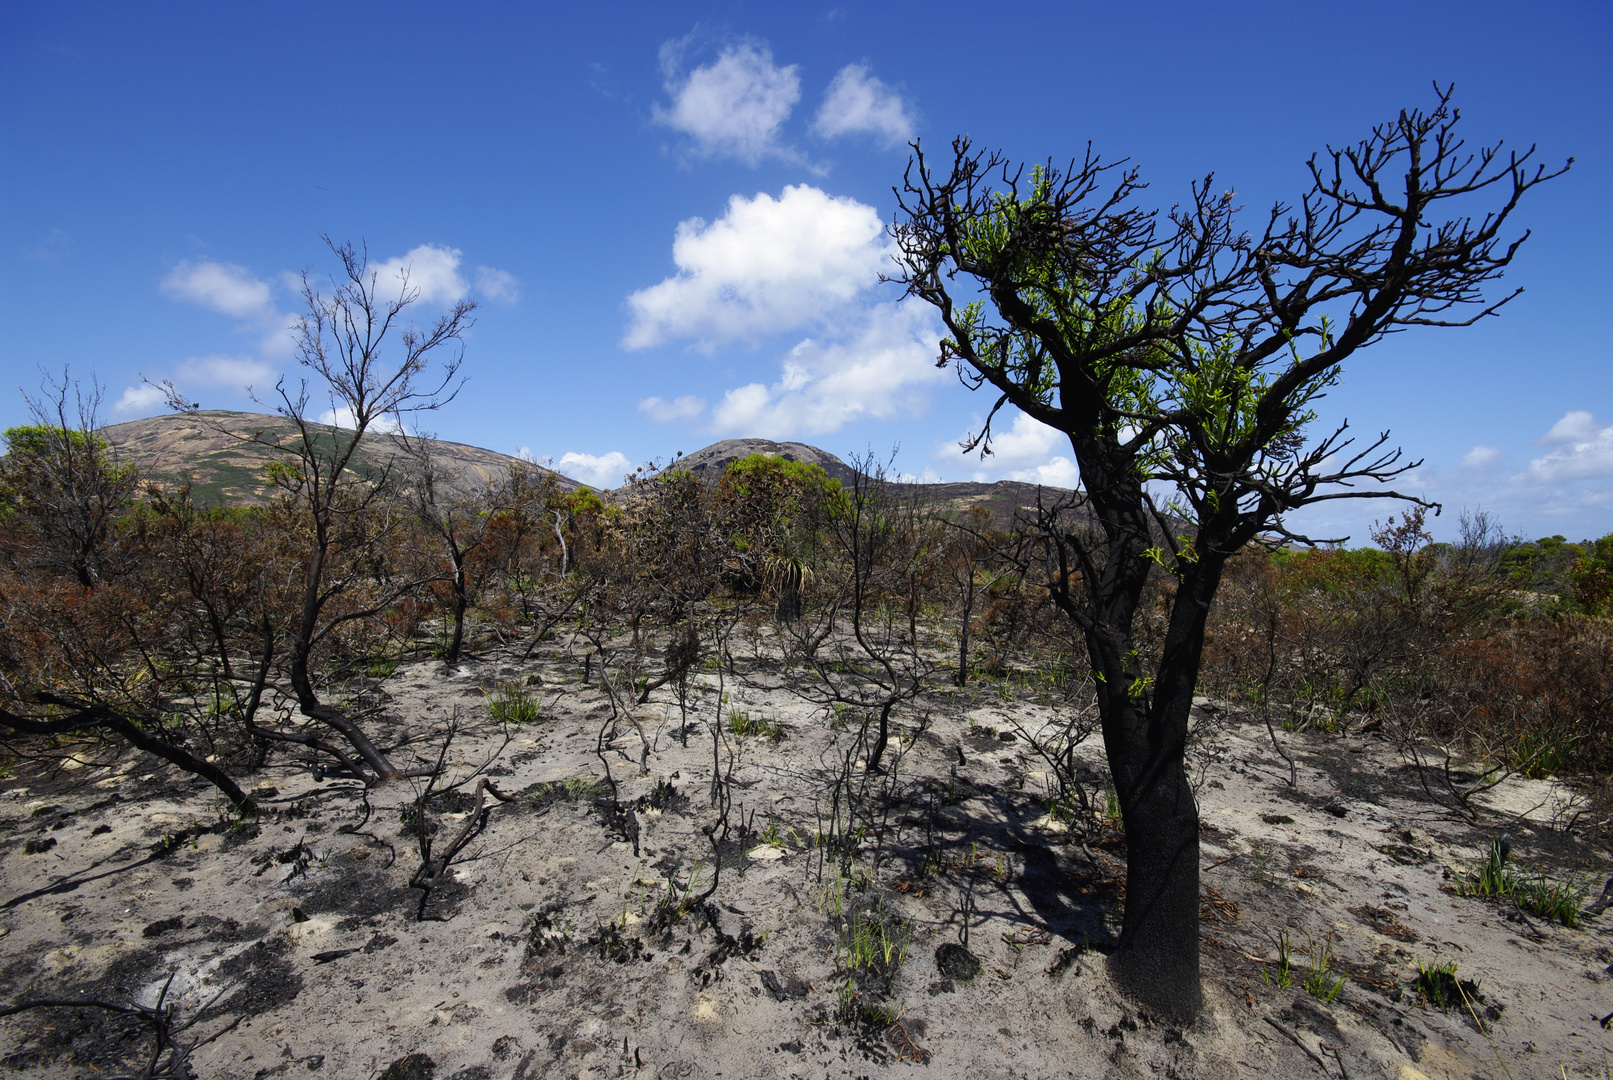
(743, 724)
(1538, 894)
(541, 796)
(512, 703)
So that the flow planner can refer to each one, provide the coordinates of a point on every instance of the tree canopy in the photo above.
(1181, 354)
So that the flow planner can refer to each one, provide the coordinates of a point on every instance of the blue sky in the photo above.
(671, 214)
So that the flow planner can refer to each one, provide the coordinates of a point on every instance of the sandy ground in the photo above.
(558, 951)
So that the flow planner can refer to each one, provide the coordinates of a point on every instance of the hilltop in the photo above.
(1001, 499)
(208, 449)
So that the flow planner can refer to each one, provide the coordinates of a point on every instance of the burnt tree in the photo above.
(1180, 352)
(377, 370)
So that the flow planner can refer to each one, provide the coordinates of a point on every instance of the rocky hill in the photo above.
(1002, 499)
(710, 462)
(209, 449)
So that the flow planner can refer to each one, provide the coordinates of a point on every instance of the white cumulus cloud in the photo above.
(686, 407)
(602, 471)
(1059, 471)
(766, 266)
(857, 103)
(879, 365)
(1583, 450)
(1024, 449)
(433, 270)
(1576, 426)
(222, 287)
(733, 107)
(139, 400)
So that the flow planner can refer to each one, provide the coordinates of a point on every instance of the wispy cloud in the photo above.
(56, 246)
(235, 373)
(856, 103)
(734, 106)
(686, 407)
(231, 372)
(430, 270)
(498, 286)
(1565, 488)
(235, 291)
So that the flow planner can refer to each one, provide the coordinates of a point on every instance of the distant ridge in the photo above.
(224, 470)
(1002, 500)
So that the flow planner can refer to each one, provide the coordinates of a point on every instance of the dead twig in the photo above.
(432, 869)
(1294, 1038)
(906, 1048)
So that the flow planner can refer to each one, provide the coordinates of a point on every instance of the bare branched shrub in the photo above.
(859, 638)
(1431, 644)
(229, 626)
(62, 487)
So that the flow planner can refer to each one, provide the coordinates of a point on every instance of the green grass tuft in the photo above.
(1321, 982)
(1440, 987)
(1282, 975)
(512, 703)
(741, 723)
(383, 668)
(1561, 901)
(543, 795)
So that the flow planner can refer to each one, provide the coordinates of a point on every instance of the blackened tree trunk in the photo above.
(461, 601)
(964, 617)
(374, 376)
(1146, 741)
(1144, 721)
(145, 736)
(1182, 355)
(791, 574)
(310, 629)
